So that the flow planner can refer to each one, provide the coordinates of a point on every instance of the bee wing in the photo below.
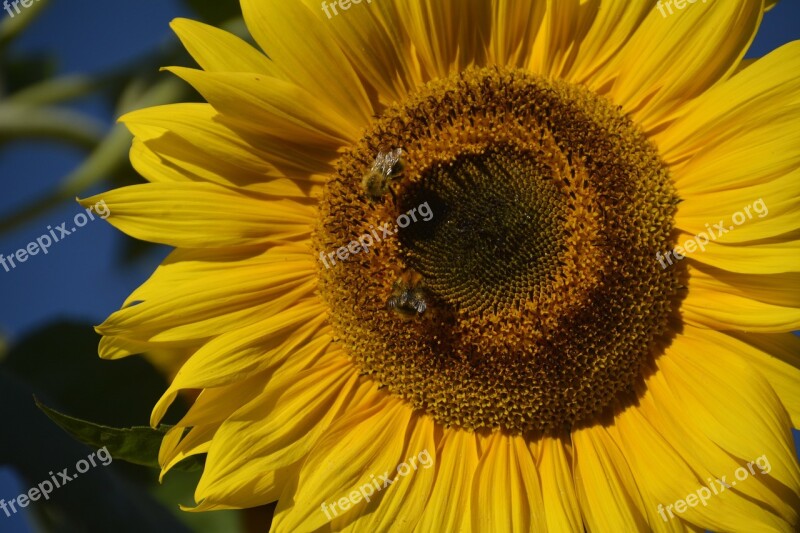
(386, 161)
(376, 164)
(379, 165)
(393, 157)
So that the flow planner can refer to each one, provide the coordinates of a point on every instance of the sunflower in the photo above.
(497, 265)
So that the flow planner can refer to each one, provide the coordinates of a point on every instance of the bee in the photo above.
(409, 297)
(388, 166)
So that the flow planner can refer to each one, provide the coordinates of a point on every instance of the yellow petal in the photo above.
(406, 498)
(506, 495)
(197, 441)
(241, 353)
(708, 460)
(557, 38)
(736, 408)
(184, 312)
(272, 431)
(197, 372)
(768, 256)
(203, 215)
(665, 476)
(272, 106)
(561, 508)
(182, 267)
(191, 136)
(304, 51)
(169, 304)
(605, 485)
(214, 405)
(674, 58)
(115, 347)
(731, 123)
(612, 26)
(720, 310)
(446, 37)
(217, 50)
(358, 452)
(514, 31)
(777, 358)
(448, 507)
(168, 444)
(371, 37)
(776, 289)
(767, 209)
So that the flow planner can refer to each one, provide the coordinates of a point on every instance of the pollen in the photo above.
(538, 300)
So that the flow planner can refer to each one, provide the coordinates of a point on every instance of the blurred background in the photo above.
(68, 70)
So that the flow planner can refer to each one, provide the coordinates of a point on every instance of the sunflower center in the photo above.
(488, 251)
(498, 216)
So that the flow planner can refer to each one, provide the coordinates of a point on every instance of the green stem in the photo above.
(24, 121)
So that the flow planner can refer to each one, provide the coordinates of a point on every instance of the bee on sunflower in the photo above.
(560, 385)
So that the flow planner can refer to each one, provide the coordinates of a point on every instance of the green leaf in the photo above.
(138, 445)
(19, 121)
(55, 90)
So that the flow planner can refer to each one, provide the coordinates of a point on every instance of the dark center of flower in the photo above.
(498, 217)
(500, 272)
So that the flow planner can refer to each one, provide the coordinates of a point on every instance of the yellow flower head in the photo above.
(496, 265)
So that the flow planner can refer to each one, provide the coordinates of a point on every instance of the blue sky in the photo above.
(81, 276)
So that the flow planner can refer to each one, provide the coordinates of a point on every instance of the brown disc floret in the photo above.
(536, 268)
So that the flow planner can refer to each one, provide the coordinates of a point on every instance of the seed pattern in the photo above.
(543, 299)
